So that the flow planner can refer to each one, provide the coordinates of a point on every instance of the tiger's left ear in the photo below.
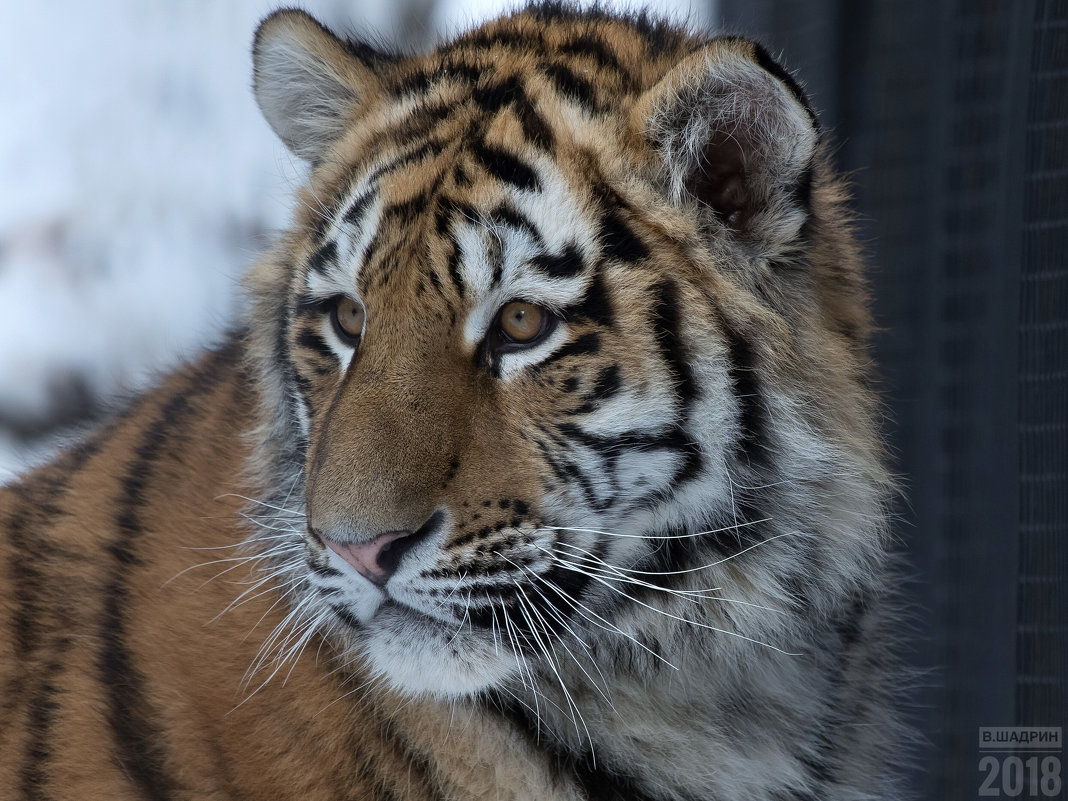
(733, 130)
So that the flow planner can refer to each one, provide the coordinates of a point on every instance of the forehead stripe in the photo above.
(505, 214)
(511, 93)
(566, 264)
(594, 304)
(505, 167)
(596, 49)
(323, 259)
(573, 87)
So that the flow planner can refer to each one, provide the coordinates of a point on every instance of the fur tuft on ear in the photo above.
(308, 82)
(734, 131)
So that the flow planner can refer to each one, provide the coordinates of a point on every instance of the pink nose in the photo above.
(376, 560)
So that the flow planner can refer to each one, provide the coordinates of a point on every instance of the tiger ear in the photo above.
(307, 81)
(733, 130)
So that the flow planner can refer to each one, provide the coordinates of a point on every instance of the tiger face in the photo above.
(517, 353)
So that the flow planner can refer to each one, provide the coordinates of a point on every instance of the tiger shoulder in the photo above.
(544, 465)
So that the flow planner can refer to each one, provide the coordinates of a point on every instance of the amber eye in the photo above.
(522, 323)
(347, 318)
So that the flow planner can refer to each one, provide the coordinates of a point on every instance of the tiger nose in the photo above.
(377, 559)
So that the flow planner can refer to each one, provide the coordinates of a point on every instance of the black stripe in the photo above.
(37, 511)
(139, 743)
(594, 304)
(354, 213)
(406, 210)
(424, 79)
(558, 590)
(424, 119)
(667, 324)
(469, 73)
(536, 129)
(30, 549)
(752, 446)
(549, 455)
(590, 45)
(745, 527)
(587, 343)
(660, 36)
(435, 280)
(510, 92)
(669, 551)
(418, 82)
(42, 708)
(313, 341)
(304, 386)
(606, 385)
(496, 96)
(504, 214)
(572, 86)
(347, 617)
(764, 59)
(505, 167)
(618, 240)
(432, 147)
(596, 782)
(502, 37)
(369, 55)
(566, 264)
(802, 195)
(454, 269)
(312, 306)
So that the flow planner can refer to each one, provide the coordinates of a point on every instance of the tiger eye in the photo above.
(348, 316)
(521, 322)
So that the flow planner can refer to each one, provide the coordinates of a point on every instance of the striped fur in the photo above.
(644, 553)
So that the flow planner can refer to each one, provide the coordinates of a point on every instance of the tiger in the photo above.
(544, 464)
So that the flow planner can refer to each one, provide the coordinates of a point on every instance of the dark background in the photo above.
(952, 118)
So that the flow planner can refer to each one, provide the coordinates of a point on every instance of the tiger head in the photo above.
(563, 354)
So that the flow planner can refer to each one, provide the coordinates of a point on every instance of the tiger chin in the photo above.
(544, 464)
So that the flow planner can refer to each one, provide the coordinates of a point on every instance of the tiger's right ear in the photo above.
(307, 81)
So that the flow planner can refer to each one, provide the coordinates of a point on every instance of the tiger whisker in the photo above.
(465, 619)
(604, 624)
(275, 641)
(525, 673)
(612, 573)
(239, 559)
(690, 535)
(722, 561)
(560, 619)
(676, 617)
(271, 579)
(238, 544)
(589, 556)
(576, 713)
(313, 627)
(294, 512)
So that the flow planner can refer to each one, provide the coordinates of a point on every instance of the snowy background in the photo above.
(138, 181)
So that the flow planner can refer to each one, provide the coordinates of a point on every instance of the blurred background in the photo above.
(137, 181)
